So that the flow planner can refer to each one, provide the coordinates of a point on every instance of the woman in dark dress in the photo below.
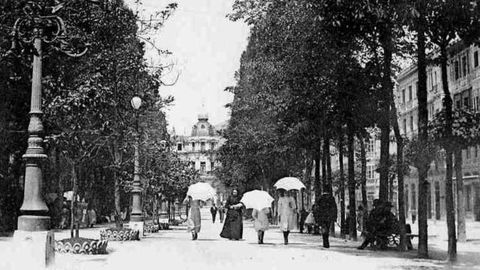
(233, 226)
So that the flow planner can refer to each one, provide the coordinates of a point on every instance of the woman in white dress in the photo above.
(260, 223)
(286, 213)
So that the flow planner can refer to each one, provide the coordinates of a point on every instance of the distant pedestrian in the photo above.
(92, 217)
(303, 217)
(221, 212)
(325, 214)
(213, 211)
(261, 223)
(233, 226)
(361, 218)
(286, 213)
(194, 218)
(310, 222)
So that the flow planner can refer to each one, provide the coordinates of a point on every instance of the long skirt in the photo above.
(233, 226)
(194, 220)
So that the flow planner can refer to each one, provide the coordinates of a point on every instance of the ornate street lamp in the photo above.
(38, 25)
(136, 217)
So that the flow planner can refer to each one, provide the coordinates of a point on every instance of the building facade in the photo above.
(464, 85)
(200, 149)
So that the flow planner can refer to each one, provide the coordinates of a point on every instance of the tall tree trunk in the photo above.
(461, 230)
(342, 186)
(308, 177)
(327, 184)
(324, 169)
(384, 125)
(118, 207)
(449, 202)
(351, 183)
(400, 176)
(73, 203)
(317, 182)
(117, 161)
(363, 161)
(423, 165)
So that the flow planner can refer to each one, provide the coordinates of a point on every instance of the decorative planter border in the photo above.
(151, 228)
(81, 246)
(124, 234)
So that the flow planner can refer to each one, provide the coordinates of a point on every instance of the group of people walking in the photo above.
(287, 216)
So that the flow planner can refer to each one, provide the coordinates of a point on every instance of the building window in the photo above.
(193, 146)
(465, 103)
(371, 147)
(403, 95)
(192, 164)
(202, 146)
(464, 66)
(202, 126)
(415, 90)
(475, 59)
(468, 198)
(212, 165)
(179, 147)
(476, 151)
(411, 123)
(203, 166)
(212, 146)
(477, 105)
(410, 96)
(407, 202)
(414, 199)
(370, 172)
(405, 125)
(467, 152)
(457, 69)
(458, 104)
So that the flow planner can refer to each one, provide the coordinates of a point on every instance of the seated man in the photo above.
(381, 223)
(371, 225)
(387, 225)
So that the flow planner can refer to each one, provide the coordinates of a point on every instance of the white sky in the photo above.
(206, 47)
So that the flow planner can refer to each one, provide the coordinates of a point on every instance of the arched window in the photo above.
(202, 126)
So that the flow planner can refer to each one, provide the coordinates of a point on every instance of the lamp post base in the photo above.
(137, 226)
(33, 223)
(37, 249)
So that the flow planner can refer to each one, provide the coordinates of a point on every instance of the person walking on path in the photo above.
(326, 214)
(361, 219)
(233, 226)
(92, 217)
(286, 213)
(260, 222)
(194, 218)
(221, 212)
(213, 211)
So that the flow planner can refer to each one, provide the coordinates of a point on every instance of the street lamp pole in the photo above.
(35, 211)
(38, 24)
(136, 217)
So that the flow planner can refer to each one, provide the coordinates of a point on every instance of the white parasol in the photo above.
(201, 191)
(289, 183)
(257, 199)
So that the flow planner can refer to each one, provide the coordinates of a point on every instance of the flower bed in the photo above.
(81, 246)
(123, 234)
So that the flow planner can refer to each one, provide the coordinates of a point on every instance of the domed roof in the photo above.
(203, 127)
(202, 116)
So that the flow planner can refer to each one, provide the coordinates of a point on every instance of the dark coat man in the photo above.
(213, 211)
(325, 214)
